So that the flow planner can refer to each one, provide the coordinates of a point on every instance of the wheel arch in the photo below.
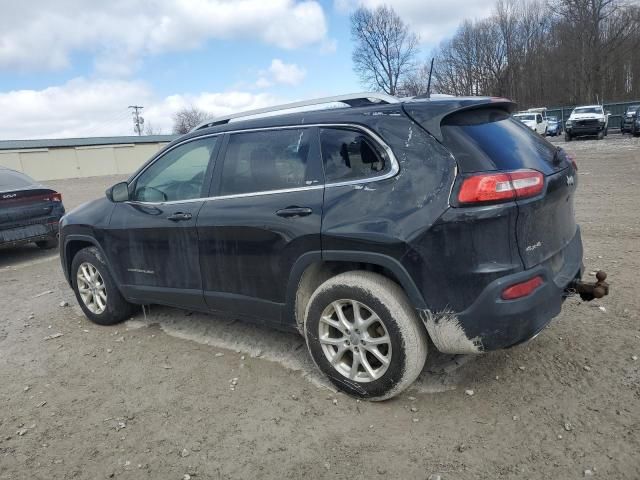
(314, 268)
(72, 245)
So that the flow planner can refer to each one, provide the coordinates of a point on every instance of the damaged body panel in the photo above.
(463, 207)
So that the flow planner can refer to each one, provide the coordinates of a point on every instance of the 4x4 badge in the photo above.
(570, 180)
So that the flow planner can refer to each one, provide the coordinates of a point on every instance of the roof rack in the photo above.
(353, 100)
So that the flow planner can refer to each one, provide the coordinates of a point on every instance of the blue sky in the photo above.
(71, 67)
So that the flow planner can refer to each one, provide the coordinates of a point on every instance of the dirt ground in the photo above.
(152, 398)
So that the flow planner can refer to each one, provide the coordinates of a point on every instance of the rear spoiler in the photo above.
(431, 113)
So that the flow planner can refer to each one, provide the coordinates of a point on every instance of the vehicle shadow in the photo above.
(24, 254)
(441, 373)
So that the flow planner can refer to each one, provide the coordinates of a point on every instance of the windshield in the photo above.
(525, 117)
(588, 110)
(632, 108)
(553, 119)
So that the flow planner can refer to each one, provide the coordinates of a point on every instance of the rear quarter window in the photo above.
(12, 180)
(490, 139)
(350, 155)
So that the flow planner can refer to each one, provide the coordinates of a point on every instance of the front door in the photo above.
(266, 213)
(152, 238)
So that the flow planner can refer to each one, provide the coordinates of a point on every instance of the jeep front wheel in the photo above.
(95, 289)
(364, 335)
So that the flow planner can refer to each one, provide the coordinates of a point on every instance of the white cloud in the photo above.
(286, 73)
(433, 20)
(280, 73)
(83, 107)
(43, 36)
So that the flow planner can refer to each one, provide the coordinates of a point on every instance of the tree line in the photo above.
(537, 52)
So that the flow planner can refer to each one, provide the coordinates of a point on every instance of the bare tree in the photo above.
(385, 49)
(545, 52)
(186, 119)
(149, 129)
(417, 82)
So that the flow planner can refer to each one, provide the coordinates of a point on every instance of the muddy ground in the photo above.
(152, 398)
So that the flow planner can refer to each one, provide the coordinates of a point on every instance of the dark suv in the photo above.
(631, 120)
(370, 228)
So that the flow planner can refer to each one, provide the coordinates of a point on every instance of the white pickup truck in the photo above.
(534, 120)
(587, 120)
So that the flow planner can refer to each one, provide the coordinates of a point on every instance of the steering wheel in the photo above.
(189, 189)
(151, 194)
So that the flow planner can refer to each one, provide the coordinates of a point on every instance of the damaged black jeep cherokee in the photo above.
(370, 228)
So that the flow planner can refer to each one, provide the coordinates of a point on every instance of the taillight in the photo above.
(572, 159)
(494, 187)
(523, 289)
(56, 197)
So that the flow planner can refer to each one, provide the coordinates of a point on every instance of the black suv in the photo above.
(370, 229)
(631, 120)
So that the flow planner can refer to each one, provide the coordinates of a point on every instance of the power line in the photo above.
(138, 120)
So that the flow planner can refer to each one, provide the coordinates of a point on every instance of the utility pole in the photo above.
(429, 84)
(138, 120)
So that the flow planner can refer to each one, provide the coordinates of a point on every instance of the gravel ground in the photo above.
(152, 398)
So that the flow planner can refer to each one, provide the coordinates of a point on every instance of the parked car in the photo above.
(629, 119)
(29, 211)
(368, 228)
(554, 126)
(588, 120)
(533, 120)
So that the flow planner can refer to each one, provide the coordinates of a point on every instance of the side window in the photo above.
(351, 155)
(177, 175)
(267, 160)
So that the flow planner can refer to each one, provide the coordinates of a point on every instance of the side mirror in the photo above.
(118, 193)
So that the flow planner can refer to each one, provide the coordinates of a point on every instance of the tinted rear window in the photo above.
(264, 161)
(349, 155)
(11, 180)
(490, 139)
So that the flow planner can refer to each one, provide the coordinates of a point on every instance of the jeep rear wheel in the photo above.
(567, 137)
(364, 335)
(95, 290)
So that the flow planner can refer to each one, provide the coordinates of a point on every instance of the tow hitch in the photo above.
(590, 290)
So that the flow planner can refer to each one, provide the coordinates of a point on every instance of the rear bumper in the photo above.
(29, 233)
(491, 323)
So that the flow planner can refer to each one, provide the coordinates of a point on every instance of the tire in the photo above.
(567, 137)
(405, 348)
(600, 135)
(606, 131)
(48, 244)
(116, 308)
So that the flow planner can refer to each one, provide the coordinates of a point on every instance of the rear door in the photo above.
(488, 139)
(266, 213)
(152, 239)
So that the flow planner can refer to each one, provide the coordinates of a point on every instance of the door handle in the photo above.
(179, 216)
(294, 212)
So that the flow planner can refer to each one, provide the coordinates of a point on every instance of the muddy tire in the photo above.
(567, 137)
(47, 244)
(600, 135)
(95, 289)
(364, 335)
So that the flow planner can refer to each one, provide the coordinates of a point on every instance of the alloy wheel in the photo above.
(354, 340)
(92, 288)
